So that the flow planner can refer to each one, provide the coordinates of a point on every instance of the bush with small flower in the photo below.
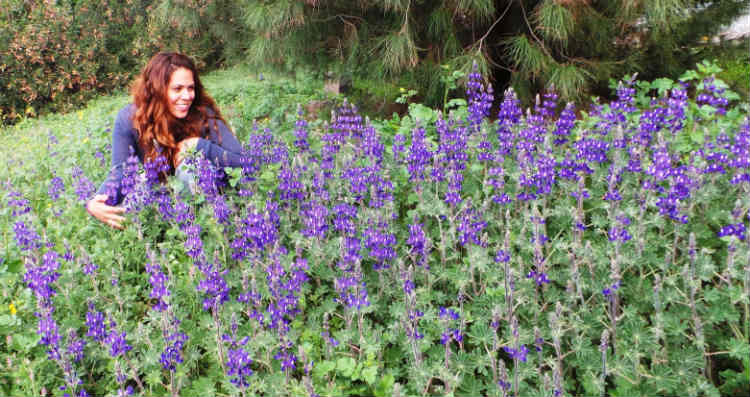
(504, 252)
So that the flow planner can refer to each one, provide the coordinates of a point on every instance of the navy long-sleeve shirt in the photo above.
(221, 147)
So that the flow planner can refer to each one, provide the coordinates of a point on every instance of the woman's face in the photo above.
(180, 92)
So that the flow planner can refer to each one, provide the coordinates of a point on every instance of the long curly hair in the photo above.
(159, 132)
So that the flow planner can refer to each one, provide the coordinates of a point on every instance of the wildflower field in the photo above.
(554, 250)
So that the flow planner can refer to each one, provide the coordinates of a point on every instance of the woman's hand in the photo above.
(183, 147)
(108, 214)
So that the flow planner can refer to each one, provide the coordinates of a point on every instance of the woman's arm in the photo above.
(228, 153)
(103, 205)
(123, 138)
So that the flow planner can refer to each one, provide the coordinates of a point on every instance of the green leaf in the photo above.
(663, 85)
(739, 349)
(202, 386)
(422, 114)
(385, 386)
(455, 103)
(324, 367)
(369, 374)
(346, 366)
(690, 75)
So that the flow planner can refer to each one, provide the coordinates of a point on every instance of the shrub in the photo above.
(56, 56)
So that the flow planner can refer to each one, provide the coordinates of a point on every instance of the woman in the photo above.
(170, 114)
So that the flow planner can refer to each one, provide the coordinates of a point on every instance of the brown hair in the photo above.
(152, 119)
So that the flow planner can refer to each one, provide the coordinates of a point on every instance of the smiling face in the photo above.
(180, 92)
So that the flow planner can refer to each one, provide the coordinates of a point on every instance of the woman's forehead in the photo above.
(181, 76)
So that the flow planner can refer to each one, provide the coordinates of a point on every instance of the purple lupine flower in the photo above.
(676, 105)
(446, 313)
(502, 256)
(381, 245)
(564, 124)
(130, 173)
(26, 238)
(215, 287)
(398, 147)
(84, 188)
(345, 215)
(238, 366)
(470, 227)
(75, 346)
(182, 215)
(419, 156)
(193, 242)
(418, 241)
(352, 292)
(56, 186)
(97, 330)
(19, 204)
(592, 150)
(290, 187)
(48, 331)
(40, 278)
(611, 290)
(116, 340)
(479, 99)
(737, 230)
(172, 354)
(222, 213)
(300, 131)
(287, 358)
(509, 116)
(517, 354)
(539, 277)
(159, 289)
(371, 145)
(315, 219)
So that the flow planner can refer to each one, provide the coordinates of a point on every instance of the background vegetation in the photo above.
(55, 55)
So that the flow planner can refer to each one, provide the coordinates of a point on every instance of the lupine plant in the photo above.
(556, 250)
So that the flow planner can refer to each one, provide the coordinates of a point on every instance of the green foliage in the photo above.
(657, 349)
(57, 56)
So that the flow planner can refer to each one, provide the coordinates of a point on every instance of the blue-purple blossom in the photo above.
(158, 281)
(517, 354)
(737, 229)
(97, 330)
(300, 131)
(56, 187)
(539, 277)
(40, 278)
(19, 204)
(116, 341)
(84, 188)
(172, 354)
(611, 290)
(48, 330)
(75, 346)
(26, 238)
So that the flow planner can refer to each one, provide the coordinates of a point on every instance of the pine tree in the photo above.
(574, 45)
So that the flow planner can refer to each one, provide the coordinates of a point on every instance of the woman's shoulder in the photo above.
(127, 112)
(124, 120)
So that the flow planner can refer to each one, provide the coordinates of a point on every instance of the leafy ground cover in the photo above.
(548, 251)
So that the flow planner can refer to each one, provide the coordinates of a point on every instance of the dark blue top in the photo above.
(222, 148)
